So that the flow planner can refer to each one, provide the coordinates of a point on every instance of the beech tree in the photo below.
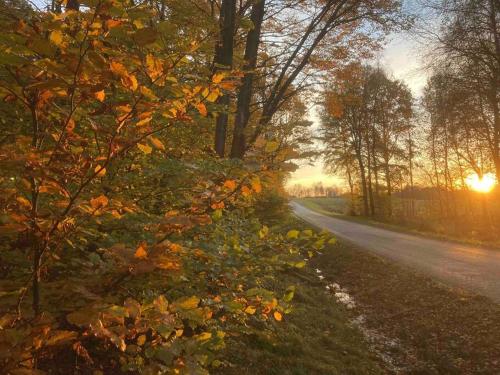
(124, 241)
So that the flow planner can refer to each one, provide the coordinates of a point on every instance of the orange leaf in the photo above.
(157, 143)
(230, 184)
(98, 202)
(130, 82)
(118, 68)
(112, 23)
(144, 121)
(24, 202)
(140, 252)
(202, 109)
(245, 191)
(217, 78)
(256, 186)
(100, 95)
(217, 205)
(278, 316)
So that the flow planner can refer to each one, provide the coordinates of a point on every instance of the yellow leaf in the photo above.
(144, 121)
(292, 234)
(141, 340)
(212, 97)
(278, 316)
(147, 93)
(144, 148)
(250, 310)
(98, 202)
(101, 171)
(230, 184)
(272, 146)
(138, 24)
(204, 336)
(154, 67)
(100, 95)
(56, 37)
(157, 143)
(140, 252)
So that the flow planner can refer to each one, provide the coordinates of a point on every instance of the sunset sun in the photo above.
(481, 185)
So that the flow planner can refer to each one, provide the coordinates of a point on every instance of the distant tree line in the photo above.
(413, 159)
(315, 190)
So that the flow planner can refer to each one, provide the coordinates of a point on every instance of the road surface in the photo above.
(472, 268)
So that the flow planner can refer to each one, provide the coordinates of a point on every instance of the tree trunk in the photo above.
(389, 185)
(363, 183)
(245, 93)
(224, 61)
(73, 5)
(369, 182)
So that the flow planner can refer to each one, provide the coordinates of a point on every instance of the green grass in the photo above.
(327, 206)
(315, 338)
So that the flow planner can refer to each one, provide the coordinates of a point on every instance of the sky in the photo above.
(401, 58)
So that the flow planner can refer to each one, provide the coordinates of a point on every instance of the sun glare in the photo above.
(482, 185)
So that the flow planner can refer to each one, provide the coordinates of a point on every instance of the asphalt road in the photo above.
(475, 269)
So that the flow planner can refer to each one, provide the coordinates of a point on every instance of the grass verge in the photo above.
(438, 330)
(317, 337)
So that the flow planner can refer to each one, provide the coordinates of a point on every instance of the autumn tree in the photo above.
(121, 230)
(366, 120)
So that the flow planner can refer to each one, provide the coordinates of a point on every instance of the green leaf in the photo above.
(145, 36)
(319, 244)
(271, 146)
(164, 355)
(290, 292)
(300, 264)
(83, 317)
(186, 303)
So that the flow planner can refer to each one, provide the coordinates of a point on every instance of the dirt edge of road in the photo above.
(434, 329)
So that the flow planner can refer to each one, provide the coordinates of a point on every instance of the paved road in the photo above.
(473, 268)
